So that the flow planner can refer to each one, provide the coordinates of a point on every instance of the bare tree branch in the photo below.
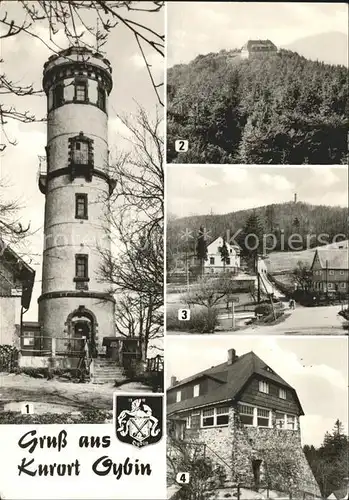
(77, 20)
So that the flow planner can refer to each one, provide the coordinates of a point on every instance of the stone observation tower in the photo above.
(76, 184)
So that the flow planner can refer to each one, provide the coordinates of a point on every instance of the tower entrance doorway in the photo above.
(82, 324)
(82, 329)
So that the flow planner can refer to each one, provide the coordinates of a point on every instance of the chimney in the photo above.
(232, 357)
(295, 197)
(173, 381)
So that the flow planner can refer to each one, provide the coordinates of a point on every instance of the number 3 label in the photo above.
(181, 146)
(184, 314)
(183, 478)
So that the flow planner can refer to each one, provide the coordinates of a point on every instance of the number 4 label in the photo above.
(27, 408)
(181, 146)
(184, 314)
(183, 478)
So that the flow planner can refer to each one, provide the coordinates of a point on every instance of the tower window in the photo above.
(80, 91)
(101, 101)
(58, 95)
(81, 206)
(81, 267)
(80, 153)
(80, 157)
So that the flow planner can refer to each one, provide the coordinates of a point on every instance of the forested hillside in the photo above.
(281, 220)
(280, 109)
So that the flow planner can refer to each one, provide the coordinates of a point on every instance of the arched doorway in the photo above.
(82, 323)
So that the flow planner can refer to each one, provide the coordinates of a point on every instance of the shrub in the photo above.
(8, 358)
(202, 321)
(49, 373)
(80, 417)
(263, 309)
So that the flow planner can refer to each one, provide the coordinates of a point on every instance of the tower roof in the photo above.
(77, 61)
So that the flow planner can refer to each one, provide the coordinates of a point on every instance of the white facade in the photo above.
(74, 302)
(214, 263)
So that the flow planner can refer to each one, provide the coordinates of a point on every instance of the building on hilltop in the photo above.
(330, 271)
(247, 420)
(258, 48)
(16, 286)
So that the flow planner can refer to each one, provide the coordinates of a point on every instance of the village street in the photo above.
(305, 320)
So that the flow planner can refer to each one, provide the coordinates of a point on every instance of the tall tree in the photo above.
(330, 462)
(302, 276)
(135, 210)
(201, 248)
(225, 256)
(252, 238)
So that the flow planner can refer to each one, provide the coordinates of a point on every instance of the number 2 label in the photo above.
(181, 146)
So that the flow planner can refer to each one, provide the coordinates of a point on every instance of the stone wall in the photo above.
(235, 447)
(283, 463)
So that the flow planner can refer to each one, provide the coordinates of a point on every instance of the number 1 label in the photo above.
(27, 408)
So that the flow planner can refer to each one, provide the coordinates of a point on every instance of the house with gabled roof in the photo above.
(214, 262)
(16, 286)
(247, 418)
(330, 271)
(253, 48)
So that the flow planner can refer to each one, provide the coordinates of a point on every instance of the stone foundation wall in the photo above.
(44, 362)
(283, 464)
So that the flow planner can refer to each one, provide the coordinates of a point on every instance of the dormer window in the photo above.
(178, 396)
(196, 390)
(81, 91)
(282, 393)
(263, 387)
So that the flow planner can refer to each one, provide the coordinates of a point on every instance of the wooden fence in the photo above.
(52, 346)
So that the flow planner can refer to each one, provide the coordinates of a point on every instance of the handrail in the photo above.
(222, 459)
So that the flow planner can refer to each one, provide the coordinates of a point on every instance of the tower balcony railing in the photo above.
(42, 174)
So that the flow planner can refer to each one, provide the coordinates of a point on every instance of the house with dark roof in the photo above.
(247, 420)
(330, 271)
(254, 48)
(16, 285)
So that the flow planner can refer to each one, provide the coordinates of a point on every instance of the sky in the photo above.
(316, 367)
(198, 190)
(24, 57)
(201, 27)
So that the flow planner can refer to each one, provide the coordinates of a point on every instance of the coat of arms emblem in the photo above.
(138, 419)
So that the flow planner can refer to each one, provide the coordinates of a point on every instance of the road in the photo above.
(306, 320)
